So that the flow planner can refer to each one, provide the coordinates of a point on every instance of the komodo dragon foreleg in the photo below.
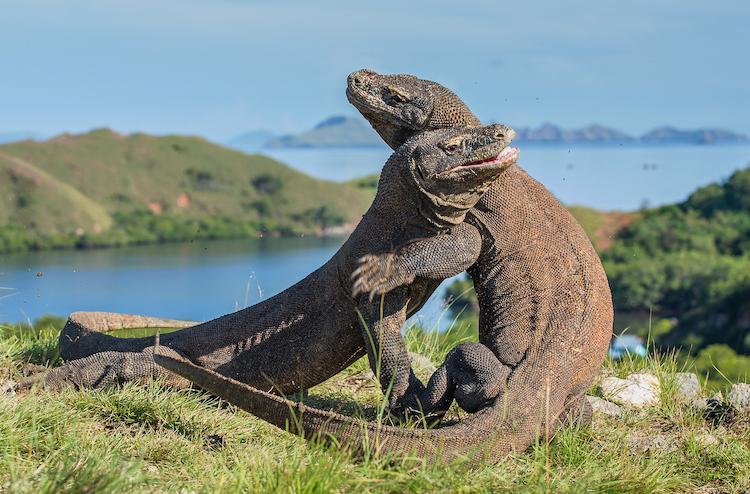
(384, 317)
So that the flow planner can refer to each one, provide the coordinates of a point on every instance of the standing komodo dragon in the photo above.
(545, 305)
(545, 308)
(312, 330)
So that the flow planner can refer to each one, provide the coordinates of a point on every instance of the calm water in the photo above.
(198, 282)
(606, 177)
(202, 281)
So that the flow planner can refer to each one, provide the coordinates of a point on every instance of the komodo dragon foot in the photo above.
(81, 344)
(471, 374)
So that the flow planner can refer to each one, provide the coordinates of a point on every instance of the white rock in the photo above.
(739, 396)
(419, 361)
(687, 384)
(8, 388)
(636, 390)
(706, 440)
(604, 406)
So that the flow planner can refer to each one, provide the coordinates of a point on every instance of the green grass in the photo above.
(153, 439)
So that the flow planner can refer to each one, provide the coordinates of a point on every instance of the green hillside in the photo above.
(103, 188)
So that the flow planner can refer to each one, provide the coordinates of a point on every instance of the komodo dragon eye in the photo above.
(450, 147)
(397, 96)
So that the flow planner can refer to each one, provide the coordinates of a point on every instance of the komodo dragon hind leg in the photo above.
(96, 360)
(83, 334)
(106, 369)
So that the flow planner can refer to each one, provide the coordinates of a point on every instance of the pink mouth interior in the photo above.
(504, 155)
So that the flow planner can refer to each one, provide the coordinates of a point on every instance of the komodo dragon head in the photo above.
(399, 106)
(453, 167)
(440, 175)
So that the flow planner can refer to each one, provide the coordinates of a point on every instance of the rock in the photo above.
(651, 445)
(706, 440)
(8, 388)
(712, 403)
(687, 384)
(635, 390)
(739, 397)
(604, 406)
(422, 362)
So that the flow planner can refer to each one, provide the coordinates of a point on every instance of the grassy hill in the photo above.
(101, 188)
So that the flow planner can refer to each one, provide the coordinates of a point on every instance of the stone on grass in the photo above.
(713, 403)
(635, 390)
(687, 384)
(706, 440)
(739, 397)
(418, 360)
(8, 388)
(604, 406)
(651, 445)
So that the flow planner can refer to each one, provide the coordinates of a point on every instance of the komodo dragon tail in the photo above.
(488, 435)
(83, 335)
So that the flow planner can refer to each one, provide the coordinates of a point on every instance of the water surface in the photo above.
(193, 281)
(607, 177)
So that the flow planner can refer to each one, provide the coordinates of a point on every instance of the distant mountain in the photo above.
(552, 133)
(701, 136)
(19, 136)
(343, 131)
(334, 132)
(254, 139)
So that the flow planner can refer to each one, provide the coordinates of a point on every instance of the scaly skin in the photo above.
(314, 329)
(545, 308)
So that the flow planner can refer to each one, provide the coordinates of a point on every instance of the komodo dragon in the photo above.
(545, 308)
(312, 330)
(545, 305)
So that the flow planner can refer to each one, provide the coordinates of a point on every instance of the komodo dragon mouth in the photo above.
(507, 155)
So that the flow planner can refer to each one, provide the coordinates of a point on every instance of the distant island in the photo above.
(342, 131)
(332, 132)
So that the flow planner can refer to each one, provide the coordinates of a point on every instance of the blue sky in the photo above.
(222, 68)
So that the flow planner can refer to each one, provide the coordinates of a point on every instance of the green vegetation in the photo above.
(690, 261)
(369, 183)
(153, 439)
(105, 189)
